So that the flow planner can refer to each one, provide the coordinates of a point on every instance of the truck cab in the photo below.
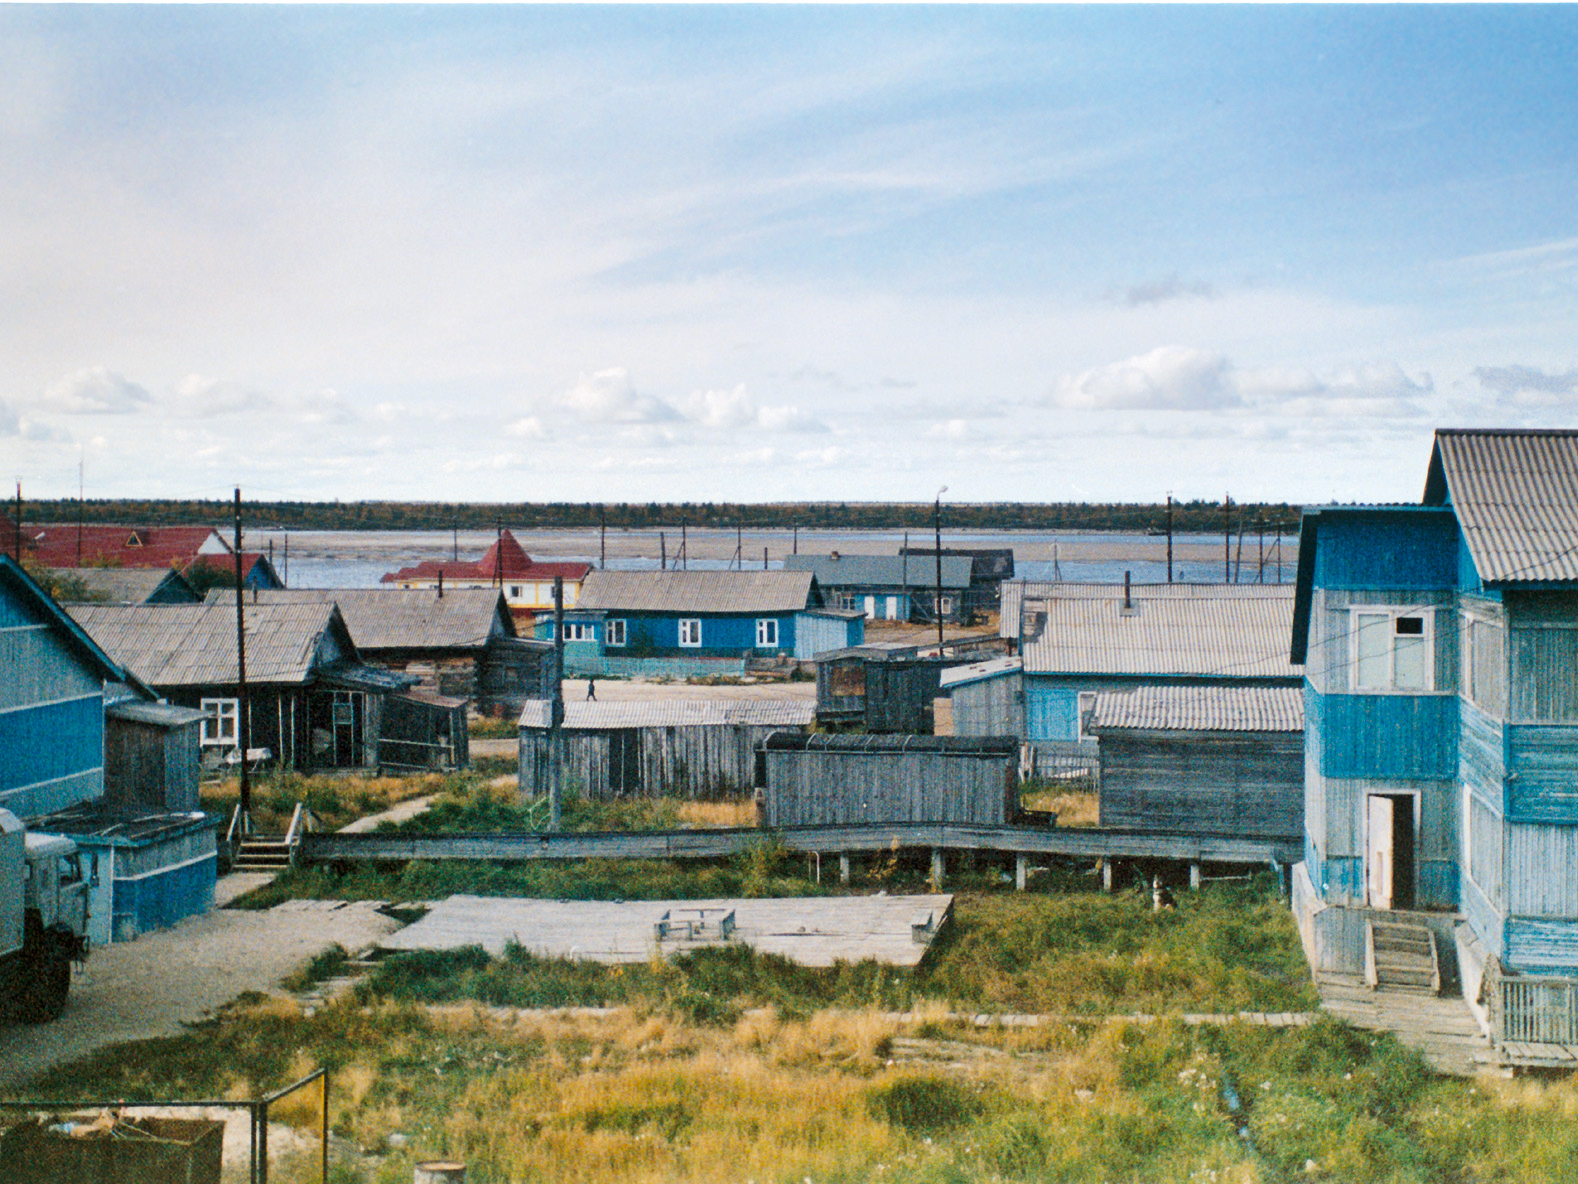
(43, 920)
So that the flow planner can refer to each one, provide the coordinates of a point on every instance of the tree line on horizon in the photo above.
(1192, 517)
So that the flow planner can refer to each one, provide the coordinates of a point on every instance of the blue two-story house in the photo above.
(682, 622)
(1440, 644)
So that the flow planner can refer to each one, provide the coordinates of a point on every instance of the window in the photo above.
(616, 632)
(221, 722)
(1087, 707)
(579, 631)
(1391, 649)
(690, 631)
(766, 633)
(515, 592)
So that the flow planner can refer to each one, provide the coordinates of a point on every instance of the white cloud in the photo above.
(1161, 291)
(789, 419)
(328, 407)
(1170, 378)
(609, 396)
(10, 424)
(1526, 386)
(952, 429)
(95, 391)
(823, 458)
(200, 396)
(1378, 389)
(530, 427)
(722, 409)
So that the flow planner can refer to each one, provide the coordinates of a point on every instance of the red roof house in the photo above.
(527, 583)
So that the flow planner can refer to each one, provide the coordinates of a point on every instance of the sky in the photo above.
(757, 253)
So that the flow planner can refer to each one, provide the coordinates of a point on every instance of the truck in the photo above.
(43, 920)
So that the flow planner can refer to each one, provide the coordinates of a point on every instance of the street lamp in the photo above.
(937, 525)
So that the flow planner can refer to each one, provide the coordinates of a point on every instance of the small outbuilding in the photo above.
(1209, 760)
(820, 779)
(688, 749)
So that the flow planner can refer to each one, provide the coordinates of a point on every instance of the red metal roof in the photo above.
(68, 545)
(504, 561)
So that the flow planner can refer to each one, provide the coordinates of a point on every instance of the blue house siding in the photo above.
(1386, 548)
(1398, 737)
(1542, 774)
(159, 899)
(54, 755)
(1541, 947)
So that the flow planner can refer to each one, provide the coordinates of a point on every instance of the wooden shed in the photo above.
(885, 687)
(690, 749)
(819, 779)
(1209, 760)
(151, 756)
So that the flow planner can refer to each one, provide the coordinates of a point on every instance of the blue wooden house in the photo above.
(1441, 704)
(690, 622)
(1079, 640)
(86, 752)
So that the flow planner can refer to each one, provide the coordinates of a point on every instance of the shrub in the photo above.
(922, 1103)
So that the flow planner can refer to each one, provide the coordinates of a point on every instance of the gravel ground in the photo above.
(155, 985)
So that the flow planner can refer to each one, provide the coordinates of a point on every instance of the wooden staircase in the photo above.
(1401, 956)
(261, 853)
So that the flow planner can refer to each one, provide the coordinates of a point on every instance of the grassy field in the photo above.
(723, 1066)
(728, 1066)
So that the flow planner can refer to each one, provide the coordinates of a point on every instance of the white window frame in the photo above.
(690, 632)
(579, 631)
(617, 632)
(1393, 613)
(1085, 704)
(766, 633)
(220, 712)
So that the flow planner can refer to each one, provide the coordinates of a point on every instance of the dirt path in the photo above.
(155, 985)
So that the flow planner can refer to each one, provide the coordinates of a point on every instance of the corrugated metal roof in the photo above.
(174, 645)
(1242, 631)
(581, 715)
(1515, 494)
(883, 571)
(1200, 709)
(1016, 592)
(696, 591)
(128, 585)
(401, 618)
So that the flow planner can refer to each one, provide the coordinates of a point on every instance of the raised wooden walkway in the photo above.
(1083, 842)
(1439, 1026)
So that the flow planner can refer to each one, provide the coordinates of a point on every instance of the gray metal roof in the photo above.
(883, 571)
(1015, 592)
(176, 645)
(159, 715)
(402, 618)
(1515, 494)
(1200, 709)
(1223, 630)
(696, 592)
(581, 715)
(130, 585)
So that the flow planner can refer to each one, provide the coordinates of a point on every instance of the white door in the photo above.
(1379, 860)
(893, 608)
(871, 608)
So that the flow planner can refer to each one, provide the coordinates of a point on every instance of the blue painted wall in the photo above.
(163, 898)
(1542, 774)
(1382, 548)
(1393, 737)
(1051, 712)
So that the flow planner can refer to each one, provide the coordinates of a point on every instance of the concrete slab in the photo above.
(812, 931)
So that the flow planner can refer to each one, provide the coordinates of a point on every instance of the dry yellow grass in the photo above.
(712, 815)
(1072, 809)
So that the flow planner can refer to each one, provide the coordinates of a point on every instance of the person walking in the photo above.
(591, 688)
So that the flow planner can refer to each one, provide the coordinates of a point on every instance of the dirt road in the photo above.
(153, 986)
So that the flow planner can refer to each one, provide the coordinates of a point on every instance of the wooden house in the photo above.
(85, 751)
(984, 698)
(1442, 718)
(458, 643)
(1078, 640)
(525, 583)
(820, 779)
(890, 587)
(688, 749)
(311, 701)
(700, 622)
(1203, 760)
(990, 569)
(56, 686)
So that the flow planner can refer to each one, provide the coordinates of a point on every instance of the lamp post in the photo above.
(937, 525)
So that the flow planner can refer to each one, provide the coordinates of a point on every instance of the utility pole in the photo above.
(1227, 539)
(18, 544)
(243, 714)
(1169, 538)
(602, 537)
(937, 525)
(556, 719)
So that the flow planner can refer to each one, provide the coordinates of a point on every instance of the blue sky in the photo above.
(603, 253)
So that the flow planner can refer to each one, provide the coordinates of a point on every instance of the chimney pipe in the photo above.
(1127, 601)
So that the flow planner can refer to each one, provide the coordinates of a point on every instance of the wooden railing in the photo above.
(1531, 1009)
